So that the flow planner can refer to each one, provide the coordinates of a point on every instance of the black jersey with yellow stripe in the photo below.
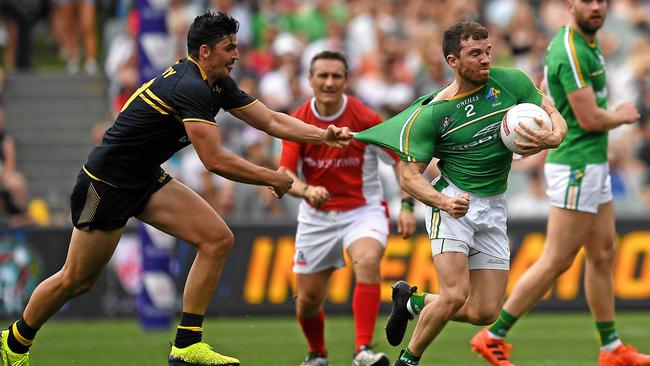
(150, 126)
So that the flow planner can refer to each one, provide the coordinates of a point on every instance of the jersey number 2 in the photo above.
(469, 109)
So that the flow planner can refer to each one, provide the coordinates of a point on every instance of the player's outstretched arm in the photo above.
(415, 184)
(595, 119)
(207, 142)
(544, 137)
(289, 128)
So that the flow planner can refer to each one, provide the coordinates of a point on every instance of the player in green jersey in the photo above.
(466, 216)
(579, 189)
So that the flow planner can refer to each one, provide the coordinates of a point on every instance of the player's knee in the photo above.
(367, 264)
(602, 260)
(308, 302)
(452, 301)
(219, 245)
(486, 316)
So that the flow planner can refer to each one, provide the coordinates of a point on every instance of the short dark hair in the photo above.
(328, 55)
(209, 29)
(461, 31)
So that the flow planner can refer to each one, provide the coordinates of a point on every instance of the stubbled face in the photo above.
(328, 80)
(473, 65)
(588, 14)
(221, 58)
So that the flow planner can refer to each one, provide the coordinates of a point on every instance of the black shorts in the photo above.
(98, 205)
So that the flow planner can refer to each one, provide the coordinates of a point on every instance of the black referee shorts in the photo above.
(98, 205)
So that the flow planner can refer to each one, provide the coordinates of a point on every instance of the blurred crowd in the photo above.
(394, 50)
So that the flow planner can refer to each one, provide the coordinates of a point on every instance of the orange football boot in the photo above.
(623, 355)
(495, 351)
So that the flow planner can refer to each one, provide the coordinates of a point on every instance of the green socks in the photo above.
(608, 334)
(503, 324)
(416, 303)
(409, 358)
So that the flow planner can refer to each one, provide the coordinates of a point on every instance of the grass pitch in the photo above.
(539, 339)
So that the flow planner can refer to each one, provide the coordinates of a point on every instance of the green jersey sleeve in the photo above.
(572, 67)
(411, 133)
(524, 90)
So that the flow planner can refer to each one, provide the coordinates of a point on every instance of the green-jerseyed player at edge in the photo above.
(466, 215)
(579, 190)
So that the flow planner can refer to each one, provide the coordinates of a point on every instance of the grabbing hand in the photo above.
(316, 195)
(283, 183)
(457, 206)
(337, 136)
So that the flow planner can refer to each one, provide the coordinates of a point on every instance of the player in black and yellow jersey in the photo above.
(122, 178)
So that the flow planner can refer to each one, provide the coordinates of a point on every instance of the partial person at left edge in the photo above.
(122, 178)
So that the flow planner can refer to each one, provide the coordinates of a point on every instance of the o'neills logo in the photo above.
(467, 101)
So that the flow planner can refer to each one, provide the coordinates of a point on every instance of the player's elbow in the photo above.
(589, 123)
(213, 166)
(216, 162)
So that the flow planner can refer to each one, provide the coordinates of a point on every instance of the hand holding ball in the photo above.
(525, 114)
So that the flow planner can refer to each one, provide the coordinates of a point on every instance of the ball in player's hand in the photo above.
(524, 113)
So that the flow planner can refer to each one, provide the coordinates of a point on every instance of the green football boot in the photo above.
(8, 357)
(199, 354)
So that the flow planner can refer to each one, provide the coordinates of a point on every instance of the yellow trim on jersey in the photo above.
(244, 107)
(154, 97)
(592, 44)
(203, 74)
(19, 337)
(465, 94)
(408, 131)
(574, 55)
(136, 93)
(97, 179)
(199, 120)
(153, 105)
(172, 110)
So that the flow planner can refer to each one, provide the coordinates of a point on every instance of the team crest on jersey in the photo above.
(444, 125)
(493, 96)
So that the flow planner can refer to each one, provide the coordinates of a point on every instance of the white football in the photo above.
(521, 113)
